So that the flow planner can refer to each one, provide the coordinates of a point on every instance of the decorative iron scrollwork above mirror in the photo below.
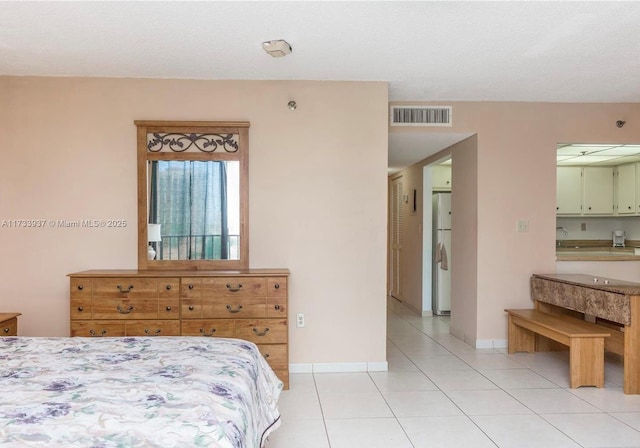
(193, 204)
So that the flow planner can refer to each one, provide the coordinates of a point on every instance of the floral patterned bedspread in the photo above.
(135, 392)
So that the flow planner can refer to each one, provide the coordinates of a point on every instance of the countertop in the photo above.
(595, 282)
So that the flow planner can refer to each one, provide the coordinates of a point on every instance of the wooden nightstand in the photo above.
(9, 324)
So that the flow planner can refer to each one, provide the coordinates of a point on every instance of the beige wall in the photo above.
(516, 180)
(317, 194)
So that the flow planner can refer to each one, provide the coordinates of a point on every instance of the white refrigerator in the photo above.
(441, 294)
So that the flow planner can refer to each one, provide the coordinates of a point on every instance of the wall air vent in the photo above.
(421, 115)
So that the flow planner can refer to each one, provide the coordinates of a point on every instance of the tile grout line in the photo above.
(392, 412)
(442, 391)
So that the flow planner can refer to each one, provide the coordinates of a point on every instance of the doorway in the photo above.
(396, 233)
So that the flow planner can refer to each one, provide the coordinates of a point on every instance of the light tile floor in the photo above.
(440, 392)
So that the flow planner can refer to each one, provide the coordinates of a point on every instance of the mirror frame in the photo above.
(241, 129)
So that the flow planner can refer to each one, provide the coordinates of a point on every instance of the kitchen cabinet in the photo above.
(626, 189)
(569, 190)
(598, 190)
(441, 177)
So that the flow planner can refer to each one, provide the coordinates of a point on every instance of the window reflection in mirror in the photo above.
(193, 195)
(197, 204)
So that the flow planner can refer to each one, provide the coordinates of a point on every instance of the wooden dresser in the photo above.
(248, 304)
(9, 324)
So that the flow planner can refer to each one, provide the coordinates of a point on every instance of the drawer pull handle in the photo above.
(277, 307)
(6, 329)
(234, 289)
(261, 333)
(277, 286)
(190, 286)
(123, 311)
(237, 310)
(94, 335)
(80, 287)
(81, 309)
(124, 291)
(168, 287)
(208, 335)
(148, 333)
(168, 308)
(190, 307)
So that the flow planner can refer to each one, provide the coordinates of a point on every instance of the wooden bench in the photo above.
(584, 339)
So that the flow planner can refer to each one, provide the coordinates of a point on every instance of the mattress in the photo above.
(136, 392)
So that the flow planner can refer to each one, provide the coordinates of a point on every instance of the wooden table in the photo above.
(615, 304)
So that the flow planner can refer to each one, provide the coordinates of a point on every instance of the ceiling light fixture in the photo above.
(277, 48)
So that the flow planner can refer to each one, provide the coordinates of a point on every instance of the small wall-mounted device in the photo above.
(619, 237)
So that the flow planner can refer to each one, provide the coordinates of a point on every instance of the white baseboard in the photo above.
(491, 343)
(339, 367)
(478, 343)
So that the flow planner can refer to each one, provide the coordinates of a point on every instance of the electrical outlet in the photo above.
(523, 226)
(300, 320)
(583, 226)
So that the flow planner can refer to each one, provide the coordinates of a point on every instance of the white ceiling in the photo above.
(597, 154)
(427, 51)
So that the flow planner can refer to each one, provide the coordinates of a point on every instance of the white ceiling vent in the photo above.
(421, 115)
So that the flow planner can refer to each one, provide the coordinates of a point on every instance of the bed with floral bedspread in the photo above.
(135, 392)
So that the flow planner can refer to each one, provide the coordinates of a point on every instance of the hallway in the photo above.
(440, 392)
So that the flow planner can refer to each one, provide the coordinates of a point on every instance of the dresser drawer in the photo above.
(234, 307)
(276, 355)
(117, 308)
(277, 297)
(262, 331)
(81, 288)
(222, 328)
(9, 327)
(277, 287)
(236, 286)
(81, 308)
(129, 288)
(168, 308)
(169, 288)
(152, 328)
(97, 328)
(191, 308)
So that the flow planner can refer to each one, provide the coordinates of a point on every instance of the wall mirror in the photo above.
(193, 182)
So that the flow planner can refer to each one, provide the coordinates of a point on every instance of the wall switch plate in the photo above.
(583, 226)
(300, 320)
(523, 226)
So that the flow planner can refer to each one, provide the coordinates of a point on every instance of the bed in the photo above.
(134, 392)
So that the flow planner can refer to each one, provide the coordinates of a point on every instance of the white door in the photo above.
(569, 190)
(598, 190)
(396, 238)
(626, 189)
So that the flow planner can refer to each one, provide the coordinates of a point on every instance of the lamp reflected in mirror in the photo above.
(154, 236)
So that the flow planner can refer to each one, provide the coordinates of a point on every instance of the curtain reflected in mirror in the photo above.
(197, 204)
